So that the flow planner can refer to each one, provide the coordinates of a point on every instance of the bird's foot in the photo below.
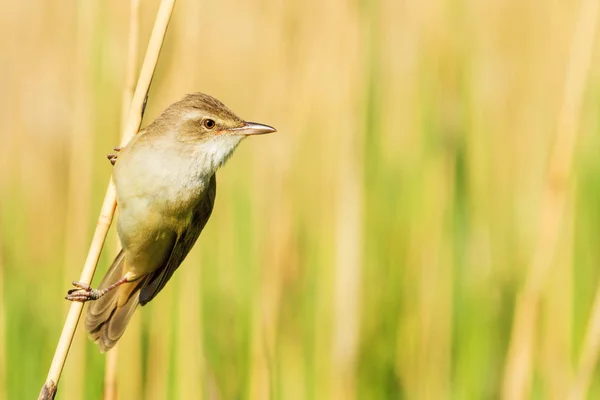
(83, 293)
(113, 157)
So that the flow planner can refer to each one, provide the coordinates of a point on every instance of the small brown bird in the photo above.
(166, 186)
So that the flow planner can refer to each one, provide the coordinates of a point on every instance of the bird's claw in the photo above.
(113, 157)
(82, 293)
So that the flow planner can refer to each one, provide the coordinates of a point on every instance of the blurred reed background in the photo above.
(373, 248)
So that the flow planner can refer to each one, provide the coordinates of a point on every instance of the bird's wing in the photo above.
(184, 243)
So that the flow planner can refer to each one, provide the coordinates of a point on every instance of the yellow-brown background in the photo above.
(372, 248)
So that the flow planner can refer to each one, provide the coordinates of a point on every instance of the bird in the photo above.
(166, 186)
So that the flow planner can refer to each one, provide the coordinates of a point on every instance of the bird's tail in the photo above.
(107, 317)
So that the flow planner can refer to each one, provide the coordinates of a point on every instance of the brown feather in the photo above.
(107, 317)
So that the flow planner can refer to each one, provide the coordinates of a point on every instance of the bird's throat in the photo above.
(214, 152)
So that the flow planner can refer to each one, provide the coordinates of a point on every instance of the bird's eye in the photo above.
(208, 123)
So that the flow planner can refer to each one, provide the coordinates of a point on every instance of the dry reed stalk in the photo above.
(349, 240)
(132, 60)
(109, 204)
(110, 372)
(556, 343)
(349, 245)
(189, 336)
(130, 372)
(160, 337)
(519, 358)
(279, 252)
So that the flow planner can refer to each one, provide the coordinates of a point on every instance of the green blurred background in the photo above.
(373, 248)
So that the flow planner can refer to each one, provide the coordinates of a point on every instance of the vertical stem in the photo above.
(132, 60)
(519, 360)
(347, 273)
(108, 207)
(349, 220)
(110, 374)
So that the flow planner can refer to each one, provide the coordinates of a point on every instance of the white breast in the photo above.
(190, 174)
(172, 179)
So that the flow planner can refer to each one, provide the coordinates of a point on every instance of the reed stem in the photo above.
(110, 200)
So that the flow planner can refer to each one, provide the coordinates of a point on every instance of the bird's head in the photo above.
(202, 117)
(208, 124)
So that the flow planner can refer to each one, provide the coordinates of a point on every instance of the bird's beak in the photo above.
(252, 128)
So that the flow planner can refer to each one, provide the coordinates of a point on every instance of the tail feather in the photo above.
(107, 317)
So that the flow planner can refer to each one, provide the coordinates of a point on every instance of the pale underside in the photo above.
(163, 205)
